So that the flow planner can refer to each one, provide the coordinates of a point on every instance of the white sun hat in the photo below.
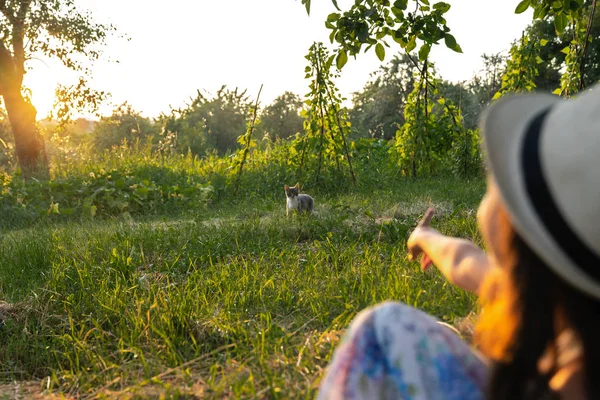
(544, 154)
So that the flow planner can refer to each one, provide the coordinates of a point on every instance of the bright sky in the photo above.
(179, 46)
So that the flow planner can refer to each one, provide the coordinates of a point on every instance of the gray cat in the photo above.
(297, 201)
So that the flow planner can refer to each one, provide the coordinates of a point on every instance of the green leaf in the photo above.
(575, 5)
(398, 13)
(522, 6)
(424, 51)
(557, 91)
(410, 46)
(401, 4)
(336, 4)
(426, 2)
(442, 7)
(330, 60)
(398, 36)
(307, 4)
(342, 59)
(333, 17)
(561, 21)
(363, 32)
(557, 6)
(380, 51)
(451, 43)
(566, 50)
(540, 12)
(543, 42)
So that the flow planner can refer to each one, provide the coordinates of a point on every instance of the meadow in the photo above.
(132, 274)
(152, 257)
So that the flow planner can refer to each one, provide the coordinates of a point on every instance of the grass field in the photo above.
(234, 300)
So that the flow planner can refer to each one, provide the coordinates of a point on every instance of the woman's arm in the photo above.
(459, 260)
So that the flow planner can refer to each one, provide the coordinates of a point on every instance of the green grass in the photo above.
(231, 300)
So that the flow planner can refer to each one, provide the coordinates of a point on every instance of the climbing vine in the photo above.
(326, 124)
(247, 142)
(521, 66)
(433, 134)
(573, 15)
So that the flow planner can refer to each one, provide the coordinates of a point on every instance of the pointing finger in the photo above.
(426, 220)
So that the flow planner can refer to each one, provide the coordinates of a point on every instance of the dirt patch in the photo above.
(27, 390)
(8, 310)
(417, 208)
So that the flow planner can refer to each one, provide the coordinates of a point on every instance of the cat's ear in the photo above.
(286, 187)
(297, 186)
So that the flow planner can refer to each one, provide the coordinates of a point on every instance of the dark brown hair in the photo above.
(529, 300)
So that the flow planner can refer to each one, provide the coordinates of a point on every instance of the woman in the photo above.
(539, 282)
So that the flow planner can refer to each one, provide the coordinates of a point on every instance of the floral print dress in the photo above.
(393, 351)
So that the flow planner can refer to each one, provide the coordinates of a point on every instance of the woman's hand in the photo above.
(459, 260)
(414, 250)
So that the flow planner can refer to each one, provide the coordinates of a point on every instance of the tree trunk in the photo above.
(29, 143)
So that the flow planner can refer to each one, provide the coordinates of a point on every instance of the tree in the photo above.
(578, 17)
(210, 123)
(124, 124)
(282, 118)
(370, 22)
(553, 53)
(55, 29)
(378, 109)
(494, 68)
(465, 98)
(549, 72)
(472, 96)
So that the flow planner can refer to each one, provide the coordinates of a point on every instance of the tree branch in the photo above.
(7, 12)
